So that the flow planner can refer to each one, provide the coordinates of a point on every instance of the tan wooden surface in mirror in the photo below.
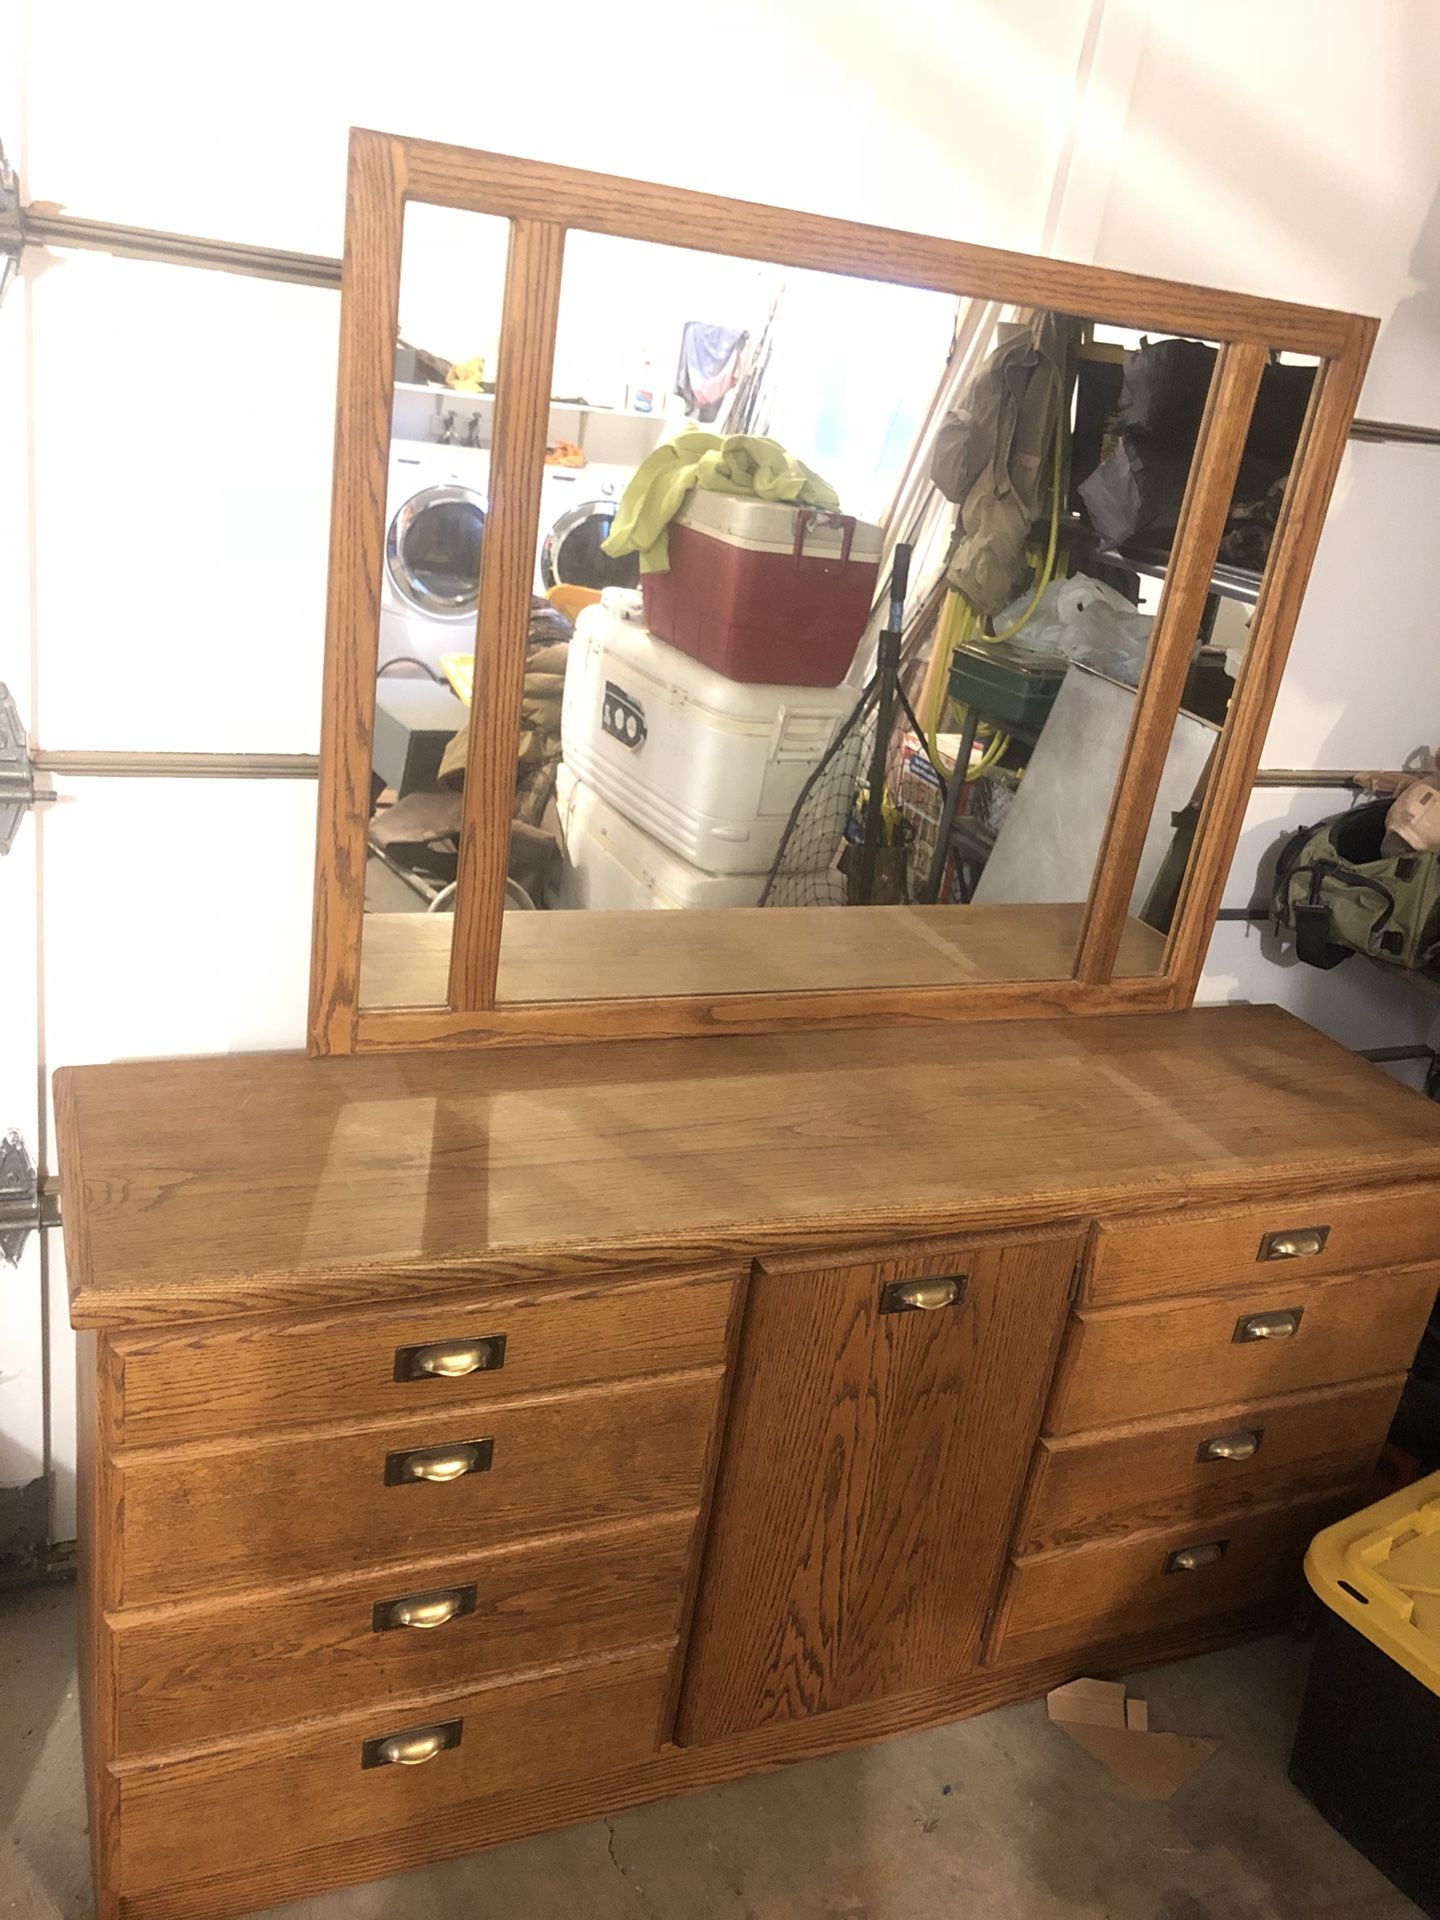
(645, 726)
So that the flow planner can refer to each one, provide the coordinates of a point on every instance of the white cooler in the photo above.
(712, 767)
(612, 863)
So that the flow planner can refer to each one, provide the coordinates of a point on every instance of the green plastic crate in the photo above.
(1006, 683)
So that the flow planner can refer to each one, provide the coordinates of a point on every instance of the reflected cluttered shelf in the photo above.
(622, 956)
(1226, 582)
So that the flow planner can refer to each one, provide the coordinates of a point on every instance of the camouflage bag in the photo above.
(1336, 894)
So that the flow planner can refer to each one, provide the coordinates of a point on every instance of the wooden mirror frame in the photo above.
(541, 202)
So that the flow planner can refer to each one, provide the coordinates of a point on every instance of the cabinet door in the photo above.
(873, 1464)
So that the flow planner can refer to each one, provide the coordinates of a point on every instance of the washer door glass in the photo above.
(433, 551)
(571, 556)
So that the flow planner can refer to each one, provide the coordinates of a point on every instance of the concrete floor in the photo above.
(1000, 1818)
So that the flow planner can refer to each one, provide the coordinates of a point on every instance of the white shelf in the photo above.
(557, 405)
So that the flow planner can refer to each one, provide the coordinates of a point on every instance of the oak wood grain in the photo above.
(517, 460)
(865, 1501)
(97, 1541)
(1138, 1361)
(1209, 491)
(1202, 1249)
(565, 1022)
(451, 1171)
(230, 1811)
(1055, 1601)
(1292, 552)
(266, 1374)
(449, 1831)
(1104, 1484)
(542, 202)
(369, 308)
(709, 1476)
(189, 1675)
(673, 216)
(603, 955)
(259, 1511)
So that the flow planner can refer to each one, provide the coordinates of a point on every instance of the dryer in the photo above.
(577, 506)
(435, 513)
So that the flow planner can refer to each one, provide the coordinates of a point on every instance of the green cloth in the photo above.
(739, 463)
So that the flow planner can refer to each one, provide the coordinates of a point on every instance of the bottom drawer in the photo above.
(1058, 1602)
(187, 1676)
(248, 1810)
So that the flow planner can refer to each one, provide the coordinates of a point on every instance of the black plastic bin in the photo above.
(1367, 1750)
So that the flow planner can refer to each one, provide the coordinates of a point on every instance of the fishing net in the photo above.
(819, 861)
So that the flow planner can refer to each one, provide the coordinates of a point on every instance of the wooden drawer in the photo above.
(249, 1379)
(1063, 1602)
(1098, 1486)
(1129, 1363)
(206, 1673)
(1203, 1249)
(259, 1513)
(245, 1808)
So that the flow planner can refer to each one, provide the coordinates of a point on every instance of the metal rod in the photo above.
(113, 763)
(1309, 776)
(46, 229)
(888, 673)
(104, 763)
(1382, 1054)
(1395, 430)
(25, 1215)
(954, 788)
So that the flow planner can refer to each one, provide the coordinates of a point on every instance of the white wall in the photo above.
(1289, 147)
(923, 113)
(1293, 149)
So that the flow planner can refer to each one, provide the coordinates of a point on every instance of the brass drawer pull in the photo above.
(438, 1464)
(922, 1296)
(1294, 1243)
(413, 1747)
(450, 1359)
(1266, 1326)
(424, 1610)
(1195, 1559)
(1243, 1445)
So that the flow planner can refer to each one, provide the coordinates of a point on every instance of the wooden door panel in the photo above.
(872, 1468)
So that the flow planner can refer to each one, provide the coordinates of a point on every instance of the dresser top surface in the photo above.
(200, 1188)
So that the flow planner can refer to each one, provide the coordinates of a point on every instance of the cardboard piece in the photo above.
(1098, 1717)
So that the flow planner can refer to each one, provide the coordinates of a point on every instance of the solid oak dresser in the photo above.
(474, 1443)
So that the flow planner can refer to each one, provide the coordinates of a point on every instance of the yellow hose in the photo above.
(955, 626)
(1048, 568)
(991, 754)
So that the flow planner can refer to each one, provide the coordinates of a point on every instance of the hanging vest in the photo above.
(1335, 894)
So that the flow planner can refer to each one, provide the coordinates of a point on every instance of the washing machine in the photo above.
(577, 506)
(435, 513)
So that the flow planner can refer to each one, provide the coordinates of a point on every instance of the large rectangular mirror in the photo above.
(627, 728)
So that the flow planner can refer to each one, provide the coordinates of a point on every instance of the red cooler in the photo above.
(765, 594)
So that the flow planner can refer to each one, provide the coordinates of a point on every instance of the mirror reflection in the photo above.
(436, 507)
(1131, 502)
(717, 681)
